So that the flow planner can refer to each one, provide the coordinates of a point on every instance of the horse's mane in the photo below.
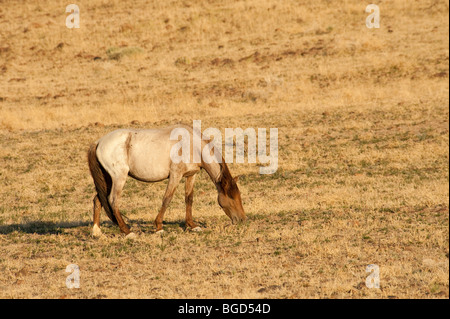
(226, 181)
(223, 179)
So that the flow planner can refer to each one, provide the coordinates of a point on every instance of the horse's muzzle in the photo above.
(238, 219)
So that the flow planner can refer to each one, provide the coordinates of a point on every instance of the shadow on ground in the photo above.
(40, 227)
(149, 226)
(49, 228)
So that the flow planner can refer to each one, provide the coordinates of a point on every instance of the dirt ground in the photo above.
(363, 135)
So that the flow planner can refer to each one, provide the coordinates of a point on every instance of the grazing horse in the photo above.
(145, 155)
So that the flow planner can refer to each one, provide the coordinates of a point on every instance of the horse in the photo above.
(145, 155)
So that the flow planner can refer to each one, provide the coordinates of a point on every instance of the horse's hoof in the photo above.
(161, 231)
(197, 229)
(131, 236)
(96, 232)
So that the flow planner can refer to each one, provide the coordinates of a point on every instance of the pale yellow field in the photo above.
(363, 123)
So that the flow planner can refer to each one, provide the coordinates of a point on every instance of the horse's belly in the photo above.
(149, 175)
(149, 161)
(150, 168)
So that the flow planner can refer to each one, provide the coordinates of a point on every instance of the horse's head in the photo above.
(230, 200)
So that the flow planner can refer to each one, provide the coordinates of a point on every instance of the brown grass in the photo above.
(363, 128)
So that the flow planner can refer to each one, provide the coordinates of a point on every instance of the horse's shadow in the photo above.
(147, 226)
(41, 227)
(49, 228)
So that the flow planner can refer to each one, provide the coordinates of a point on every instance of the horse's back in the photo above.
(144, 153)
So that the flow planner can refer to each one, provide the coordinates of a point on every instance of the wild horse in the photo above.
(145, 154)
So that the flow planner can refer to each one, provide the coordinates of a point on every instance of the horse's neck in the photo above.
(214, 171)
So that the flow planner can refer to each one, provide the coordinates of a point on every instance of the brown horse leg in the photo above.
(114, 197)
(174, 179)
(96, 232)
(189, 198)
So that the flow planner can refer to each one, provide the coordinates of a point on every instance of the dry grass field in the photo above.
(363, 123)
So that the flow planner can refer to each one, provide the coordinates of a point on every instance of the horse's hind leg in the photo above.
(174, 179)
(96, 232)
(116, 191)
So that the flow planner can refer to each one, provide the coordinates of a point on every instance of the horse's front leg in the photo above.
(174, 179)
(189, 198)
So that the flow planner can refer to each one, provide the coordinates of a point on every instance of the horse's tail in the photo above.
(102, 181)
